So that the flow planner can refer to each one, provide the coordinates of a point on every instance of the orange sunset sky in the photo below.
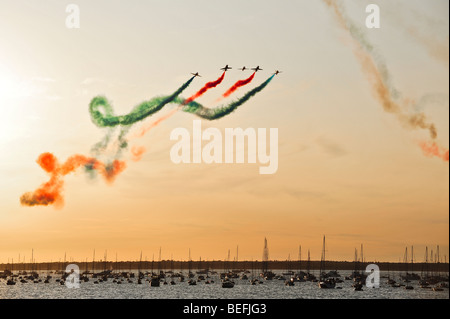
(347, 169)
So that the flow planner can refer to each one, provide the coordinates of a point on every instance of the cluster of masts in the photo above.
(226, 68)
(431, 277)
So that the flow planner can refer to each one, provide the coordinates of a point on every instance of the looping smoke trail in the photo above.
(205, 88)
(140, 112)
(191, 107)
(51, 192)
(378, 75)
(201, 111)
(238, 84)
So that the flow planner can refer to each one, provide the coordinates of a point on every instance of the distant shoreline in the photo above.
(99, 266)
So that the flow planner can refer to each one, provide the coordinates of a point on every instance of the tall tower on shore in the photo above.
(265, 257)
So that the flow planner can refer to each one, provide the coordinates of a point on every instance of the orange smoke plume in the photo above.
(433, 150)
(137, 152)
(50, 193)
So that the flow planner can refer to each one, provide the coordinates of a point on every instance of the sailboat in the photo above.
(11, 281)
(308, 276)
(227, 283)
(154, 281)
(357, 286)
(325, 283)
(300, 276)
(253, 280)
(191, 281)
(140, 274)
(406, 278)
(172, 282)
(424, 273)
(266, 273)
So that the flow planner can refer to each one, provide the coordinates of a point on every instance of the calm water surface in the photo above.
(271, 289)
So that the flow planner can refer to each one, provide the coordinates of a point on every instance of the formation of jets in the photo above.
(226, 68)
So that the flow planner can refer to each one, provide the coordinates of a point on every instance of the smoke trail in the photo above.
(51, 192)
(221, 111)
(155, 123)
(137, 152)
(205, 88)
(190, 107)
(238, 84)
(194, 108)
(140, 112)
(434, 150)
(103, 144)
(199, 110)
(378, 75)
(428, 32)
(435, 47)
(102, 115)
(108, 119)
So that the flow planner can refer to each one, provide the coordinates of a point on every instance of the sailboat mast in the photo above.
(308, 264)
(153, 261)
(299, 258)
(159, 261)
(438, 262)
(322, 260)
(406, 260)
(93, 263)
(140, 260)
(104, 262)
(189, 261)
(362, 259)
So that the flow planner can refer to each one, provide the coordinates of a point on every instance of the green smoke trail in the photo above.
(140, 112)
(145, 109)
(149, 107)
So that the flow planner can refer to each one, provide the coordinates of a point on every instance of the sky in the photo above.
(347, 169)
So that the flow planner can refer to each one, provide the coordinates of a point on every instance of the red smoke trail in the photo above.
(138, 151)
(238, 84)
(51, 192)
(432, 149)
(205, 88)
(155, 123)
